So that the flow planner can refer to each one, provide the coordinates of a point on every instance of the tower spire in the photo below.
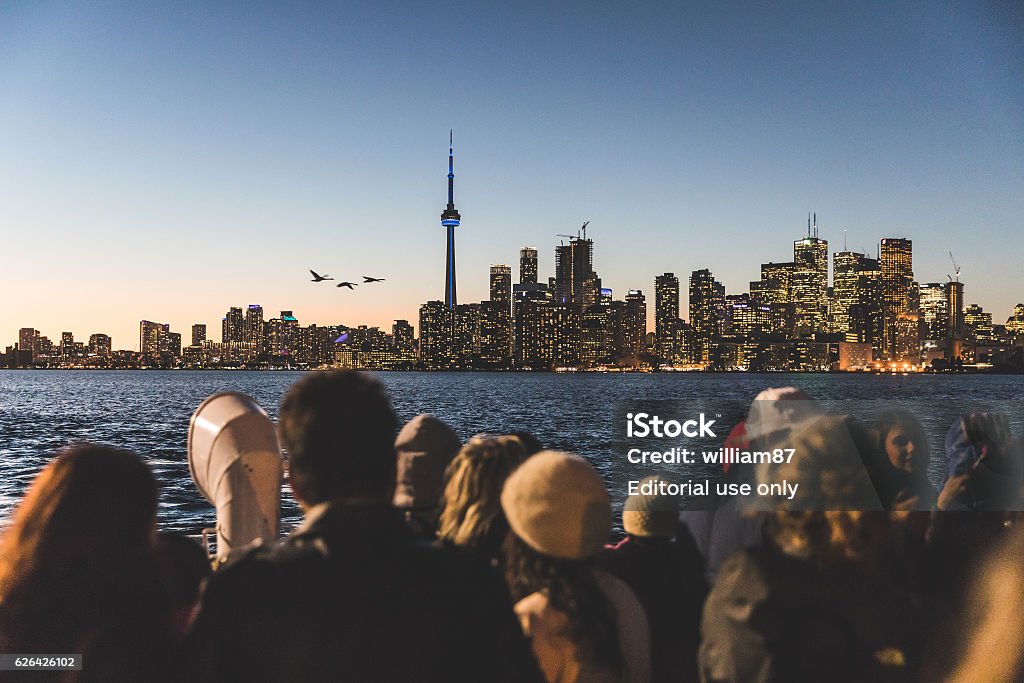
(450, 219)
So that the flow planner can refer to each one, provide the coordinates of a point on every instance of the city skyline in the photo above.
(163, 165)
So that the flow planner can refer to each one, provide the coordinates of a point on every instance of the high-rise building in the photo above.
(492, 337)
(28, 341)
(1015, 323)
(666, 315)
(435, 335)
(67, 345)
(150, 336)
(955, 321)
(233, 326)
(528, 265)
(501, 285)
(575, 279)
(934, 311)
(978, 323)
(809, 283)
(198, 334)
(100, 345)
(634, 324)
(707, 303)
(846, 267)
(253, 333)
(897, 265)
(450, 219)
(402, 333)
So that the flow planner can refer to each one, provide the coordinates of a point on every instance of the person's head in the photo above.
(899, 437)
(82, 536)
(339, 430)
(829, 536)
(560, 516)
(472, 494)
(425, 446)
(651, 513)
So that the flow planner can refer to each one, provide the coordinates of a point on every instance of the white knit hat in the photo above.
(558, 505)
(651, 516)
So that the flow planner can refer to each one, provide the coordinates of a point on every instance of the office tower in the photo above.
(634, 323)
(150, 335)
(281, 336)
(450, 219)
(402, 334)
(867, 316)
(1015, 323)
(906, 339)
(933, 307)
(846, 267)
(233, 326)
(528, 328)
(896, 262)
(67, 345)
(100, 345)
(198, 334)
(666, 314)
(978, 324)
(809, 283)
(252, 333)
(492, 337)
(528, 265)
(170, 343)
(435, 335)
(28, 341)
(501, 284)
(955, 306)
(707, 301)
(745, 317)
(575, 281)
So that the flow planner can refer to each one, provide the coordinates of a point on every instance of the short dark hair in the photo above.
(339, 430)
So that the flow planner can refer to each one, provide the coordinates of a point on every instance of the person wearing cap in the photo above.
(425, 447)
(660, 562)
(352, 594)
(584, 624)
(824, 598)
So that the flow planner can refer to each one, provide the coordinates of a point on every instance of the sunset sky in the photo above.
(168, 162)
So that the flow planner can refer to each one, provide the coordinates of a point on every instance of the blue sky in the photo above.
(169, 162)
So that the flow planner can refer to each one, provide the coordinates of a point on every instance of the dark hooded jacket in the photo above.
(353, 596)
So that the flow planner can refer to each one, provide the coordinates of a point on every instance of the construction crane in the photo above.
(956, 268)
(584, 229)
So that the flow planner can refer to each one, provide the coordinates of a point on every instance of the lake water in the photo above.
(148, 412)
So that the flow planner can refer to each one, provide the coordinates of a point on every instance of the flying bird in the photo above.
(319, 278)
(367, 278)
(350, 285)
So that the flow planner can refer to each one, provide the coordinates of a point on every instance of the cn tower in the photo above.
(450, 219)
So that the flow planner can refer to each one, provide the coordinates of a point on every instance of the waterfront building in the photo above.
(501, 285)
(150, 334)
(450, 219)
(528, 265)
(435, 335)
(28, 342)
(100, 345)
(933, 307)
(282, 336)
(233, 326)
(634, 324)
(575, 281)
(846, 267)
(666, 315)
(253, 332)
(897, 267)
(492, 336)
(707, 304)
(979, 324)
(867, 317)
(67, 346)
(809, 283)
(1015, 323)
(907, 341)
(198, 334)
(402, 334)
(955, 321)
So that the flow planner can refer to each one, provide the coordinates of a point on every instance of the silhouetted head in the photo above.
(901, 440)
(339, 430)
(80, 548)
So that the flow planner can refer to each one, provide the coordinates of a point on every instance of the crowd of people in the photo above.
(423, 558)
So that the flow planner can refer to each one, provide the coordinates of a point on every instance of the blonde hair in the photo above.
(472, 493)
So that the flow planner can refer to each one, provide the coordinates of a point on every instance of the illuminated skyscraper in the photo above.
(809, 284)
(666, 315)
(846, 267)
(707, 304)
(575, 280)
(528, 265)
(501, 284)
(28, 341)
(198, 334)
(253, 330)
(450, 219)
(934, 310)
(150, 337)
(897, 265)
(232, 326)
(99, 345)
(634, 323)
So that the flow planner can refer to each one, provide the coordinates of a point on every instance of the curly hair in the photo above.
(571, 588)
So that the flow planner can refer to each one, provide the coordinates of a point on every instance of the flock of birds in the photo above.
(366, 279)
